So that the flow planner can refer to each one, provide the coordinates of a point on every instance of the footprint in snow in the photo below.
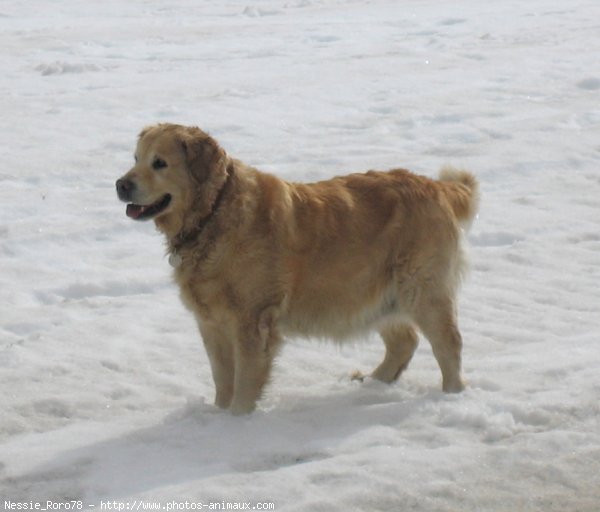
(452, 21)
(494, 239)
(61, 68)
(589, 84)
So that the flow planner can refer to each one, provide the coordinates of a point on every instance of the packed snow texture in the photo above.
(106, 389)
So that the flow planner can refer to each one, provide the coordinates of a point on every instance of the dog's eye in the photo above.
(158, 164)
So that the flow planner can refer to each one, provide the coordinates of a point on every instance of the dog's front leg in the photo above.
(256, 347)
(219, 347)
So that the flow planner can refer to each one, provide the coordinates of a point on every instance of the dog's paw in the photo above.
(357, 375)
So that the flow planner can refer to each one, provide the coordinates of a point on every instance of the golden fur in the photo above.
(258, 257)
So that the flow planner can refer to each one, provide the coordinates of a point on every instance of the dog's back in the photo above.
(361, 248)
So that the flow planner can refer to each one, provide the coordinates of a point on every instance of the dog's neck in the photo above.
(190, 235)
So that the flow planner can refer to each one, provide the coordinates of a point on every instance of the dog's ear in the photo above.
(204, 156)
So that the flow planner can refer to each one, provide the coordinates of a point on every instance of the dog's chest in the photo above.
(201, 294)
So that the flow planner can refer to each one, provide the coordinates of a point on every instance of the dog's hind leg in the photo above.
(436, 317)
(400, 344)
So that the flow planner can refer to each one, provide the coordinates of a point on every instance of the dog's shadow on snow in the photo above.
(200, 441)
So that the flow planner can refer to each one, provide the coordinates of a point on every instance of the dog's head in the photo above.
(177, 175)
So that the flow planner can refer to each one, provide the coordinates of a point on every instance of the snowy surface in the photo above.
(105, 387)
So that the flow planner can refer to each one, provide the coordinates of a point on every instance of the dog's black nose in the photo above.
(125, 189)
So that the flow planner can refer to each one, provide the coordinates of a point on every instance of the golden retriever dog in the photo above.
(257, 258)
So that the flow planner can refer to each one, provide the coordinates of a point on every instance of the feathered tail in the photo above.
(462, 192)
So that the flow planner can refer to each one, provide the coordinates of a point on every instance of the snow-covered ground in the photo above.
(105, 387)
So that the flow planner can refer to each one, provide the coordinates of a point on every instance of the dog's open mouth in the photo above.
(146, 212)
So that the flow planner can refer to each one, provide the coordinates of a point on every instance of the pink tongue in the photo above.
(134, 210)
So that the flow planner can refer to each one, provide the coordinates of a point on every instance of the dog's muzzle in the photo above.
(125, 189)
